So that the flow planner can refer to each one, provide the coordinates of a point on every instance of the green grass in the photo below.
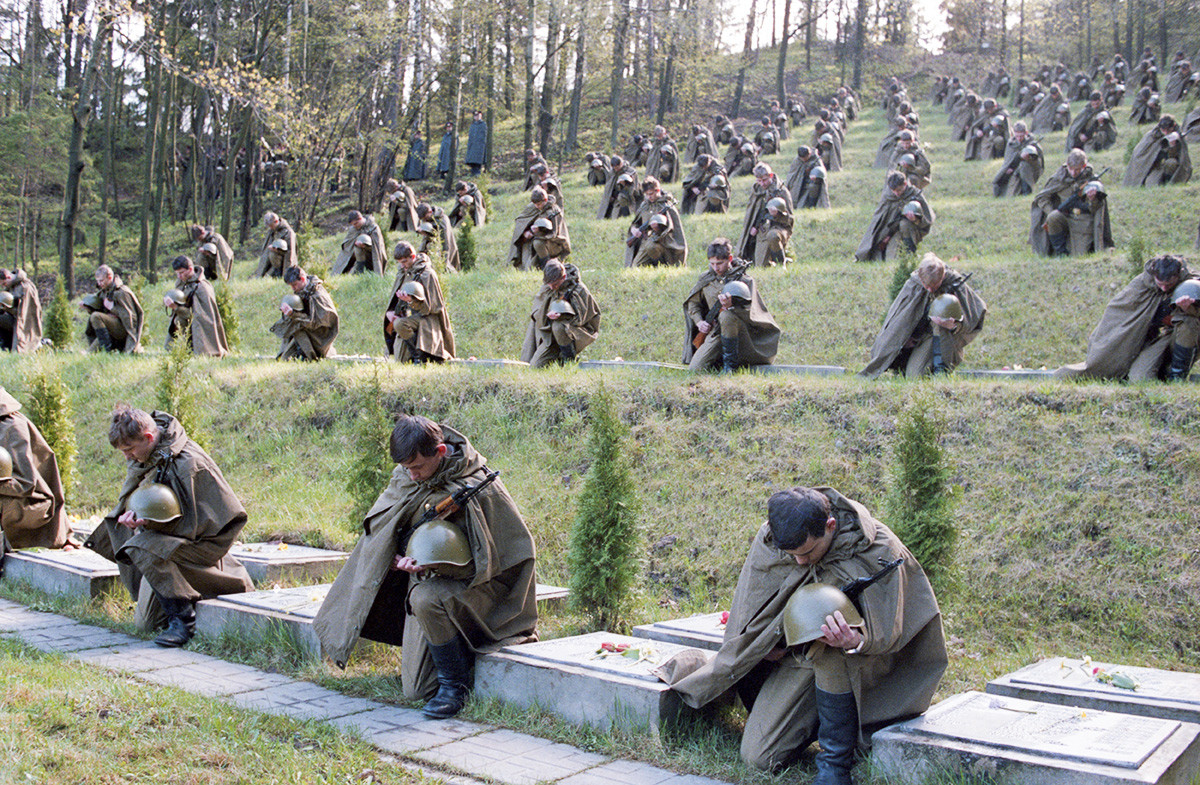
(68, 724)
(1078, 517)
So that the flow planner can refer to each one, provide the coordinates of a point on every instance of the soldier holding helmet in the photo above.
(20, 312)
(278, 249)
(32, 511)
(726, 323)
(851, 675)
(115, 317)
(901, 221)
(441, 617)
(416, 324)
(927, 328)
(192, 306)
(767, 226)
(308, 321)
(172, 526)
(565, 318)
(362, 249)
(656, 233)
(539, 233)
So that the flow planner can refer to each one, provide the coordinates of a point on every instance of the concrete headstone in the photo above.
(74, 573)
(1020, 742)
(699, 632)
(273, 561)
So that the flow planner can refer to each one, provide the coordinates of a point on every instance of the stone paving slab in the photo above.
(18, 618)
(78, 572)
(803, 370)
(1071, 682)
(629, 772)
(1020, 742)
(511, 757)
(704, 631)
(138, 657)
(281, 699)
(214, 677)
(73, 636)
(634, 365)
(404, 731)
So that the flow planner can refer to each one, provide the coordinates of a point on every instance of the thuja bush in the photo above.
(49, 408)
(905, 265)
(228, 314)
(177, 389)
(372, 466)
(605, 536)
(920, 502)
(467, 253)
(58, 327)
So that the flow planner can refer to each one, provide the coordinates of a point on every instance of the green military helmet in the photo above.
(6, 299)
(777, 204)
(1188, 288)
(543, 225)
(913, 208)
(625, 178)
(660, 219)
(817, 173)
(807, 608)
(440, 546)
(209, 249)
(6, 464)
(1094, 187)
(293, 301)
(907, 161)
(413, 289)
(748, 148)
(93, 301)
(425, 228)
(946, 306)
(718, 181)
(738, 291)
(560, 307)
(156, 503)
(279, 244)
(177, 296)
(1029, 151)
(466, 199)
(826, 139)
(364, 240)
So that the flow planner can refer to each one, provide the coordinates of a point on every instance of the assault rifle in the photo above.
(855, 587)
(455, 502)
(714, 327)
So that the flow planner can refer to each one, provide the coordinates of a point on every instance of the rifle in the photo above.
(855, 587)
(455, 501)
(631, 240)
(713, 325)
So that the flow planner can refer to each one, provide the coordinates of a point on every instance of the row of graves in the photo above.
(1060, 721)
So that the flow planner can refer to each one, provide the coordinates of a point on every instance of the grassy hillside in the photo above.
(1078, 513)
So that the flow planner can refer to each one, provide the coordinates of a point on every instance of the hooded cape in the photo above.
(27, 335)
(32, 506)
(435, 336)
(206, 328)
(764, 331)
(128, 310)
(1141, 171)
(315, 326)
(585, 323)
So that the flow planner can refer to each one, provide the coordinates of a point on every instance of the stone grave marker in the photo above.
(803, 370)
(699, 632)
(1020, 742)
(272, 561)
(569, 678)
(1071, 682)
(74, 573)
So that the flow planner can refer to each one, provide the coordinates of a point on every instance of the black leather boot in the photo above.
(939, 361)
(837, 733)
(1059, 244)
(566, 353)
(729, 354)
(104, 340)
(452, 661)
(181, 622)
(1182, 358)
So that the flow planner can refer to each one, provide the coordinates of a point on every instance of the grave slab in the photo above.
(699, 632)
(1071, 682)
(628, 772)
(272, 561)
(74, 573)
(73, 636)
(1019, 742)
(289, 610)
(489, 362)
(568, 678)
(804, 370)
(633, 365)
(1023, 373)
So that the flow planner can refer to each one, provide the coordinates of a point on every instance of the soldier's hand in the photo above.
(725, 300)
(635, 232)
(838, 634)
(286, 309)
(404, 297)
(944, 323)
(169, 303)
(552, 316)
(528, 235)
(130, 520)
(703, 326)
(1185, 303)
(775, 654)
(407, 564)
(753, 230)
(108, 304)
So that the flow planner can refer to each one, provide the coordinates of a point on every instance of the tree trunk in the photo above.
(531, 16)
(860, 42)
(508, 63)
(1116, 23)
(490, 118)
(549, 77)
(808, 34)
(110, 102)
(456, 45)
(572, 141)
(780, 92)
(747, 49)
(150, 154)
(81, 115)
(617, 81)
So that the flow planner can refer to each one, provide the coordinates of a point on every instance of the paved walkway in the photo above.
(482, 752)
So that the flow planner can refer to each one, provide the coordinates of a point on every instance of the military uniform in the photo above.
(1018, 174)
(1158, 161)
(273, 264)
(494, 607)
(21, 324)
(401, 207)
(546, 339)
(753, 327)
(1060, 209)
(806, 183)
(892, 676)
(662, 161)
(308, 333)
(441, 225)
(123, 321)
(620, 199)
(767, 244)
(653, 248)
(475, 209)
(529, 252)
(356, 259)
(198, 320)
(32, 507)
(424, 325)
(889, 231)
(696, 182)
(188, 559)
(222, 265)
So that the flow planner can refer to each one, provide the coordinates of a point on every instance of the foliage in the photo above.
(49, 407)
(228, 314)
(177, 390)
(466, 245)
(57, 323)
(905, 264)
(308, 255)
(920, 502)
(605, 538)
(1136, 253)
(372, 465)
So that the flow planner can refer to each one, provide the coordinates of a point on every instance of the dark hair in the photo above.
(403, 250)
(720, 248)
(537, 195)
(180, 262)
(649, 183)
(292, 274)
(797, 515)
(460, 186)
(1166, 267)
(895, 180)
(414, 435)
(424, 209)
(553, 271)
(353, 215)
(128, 424)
